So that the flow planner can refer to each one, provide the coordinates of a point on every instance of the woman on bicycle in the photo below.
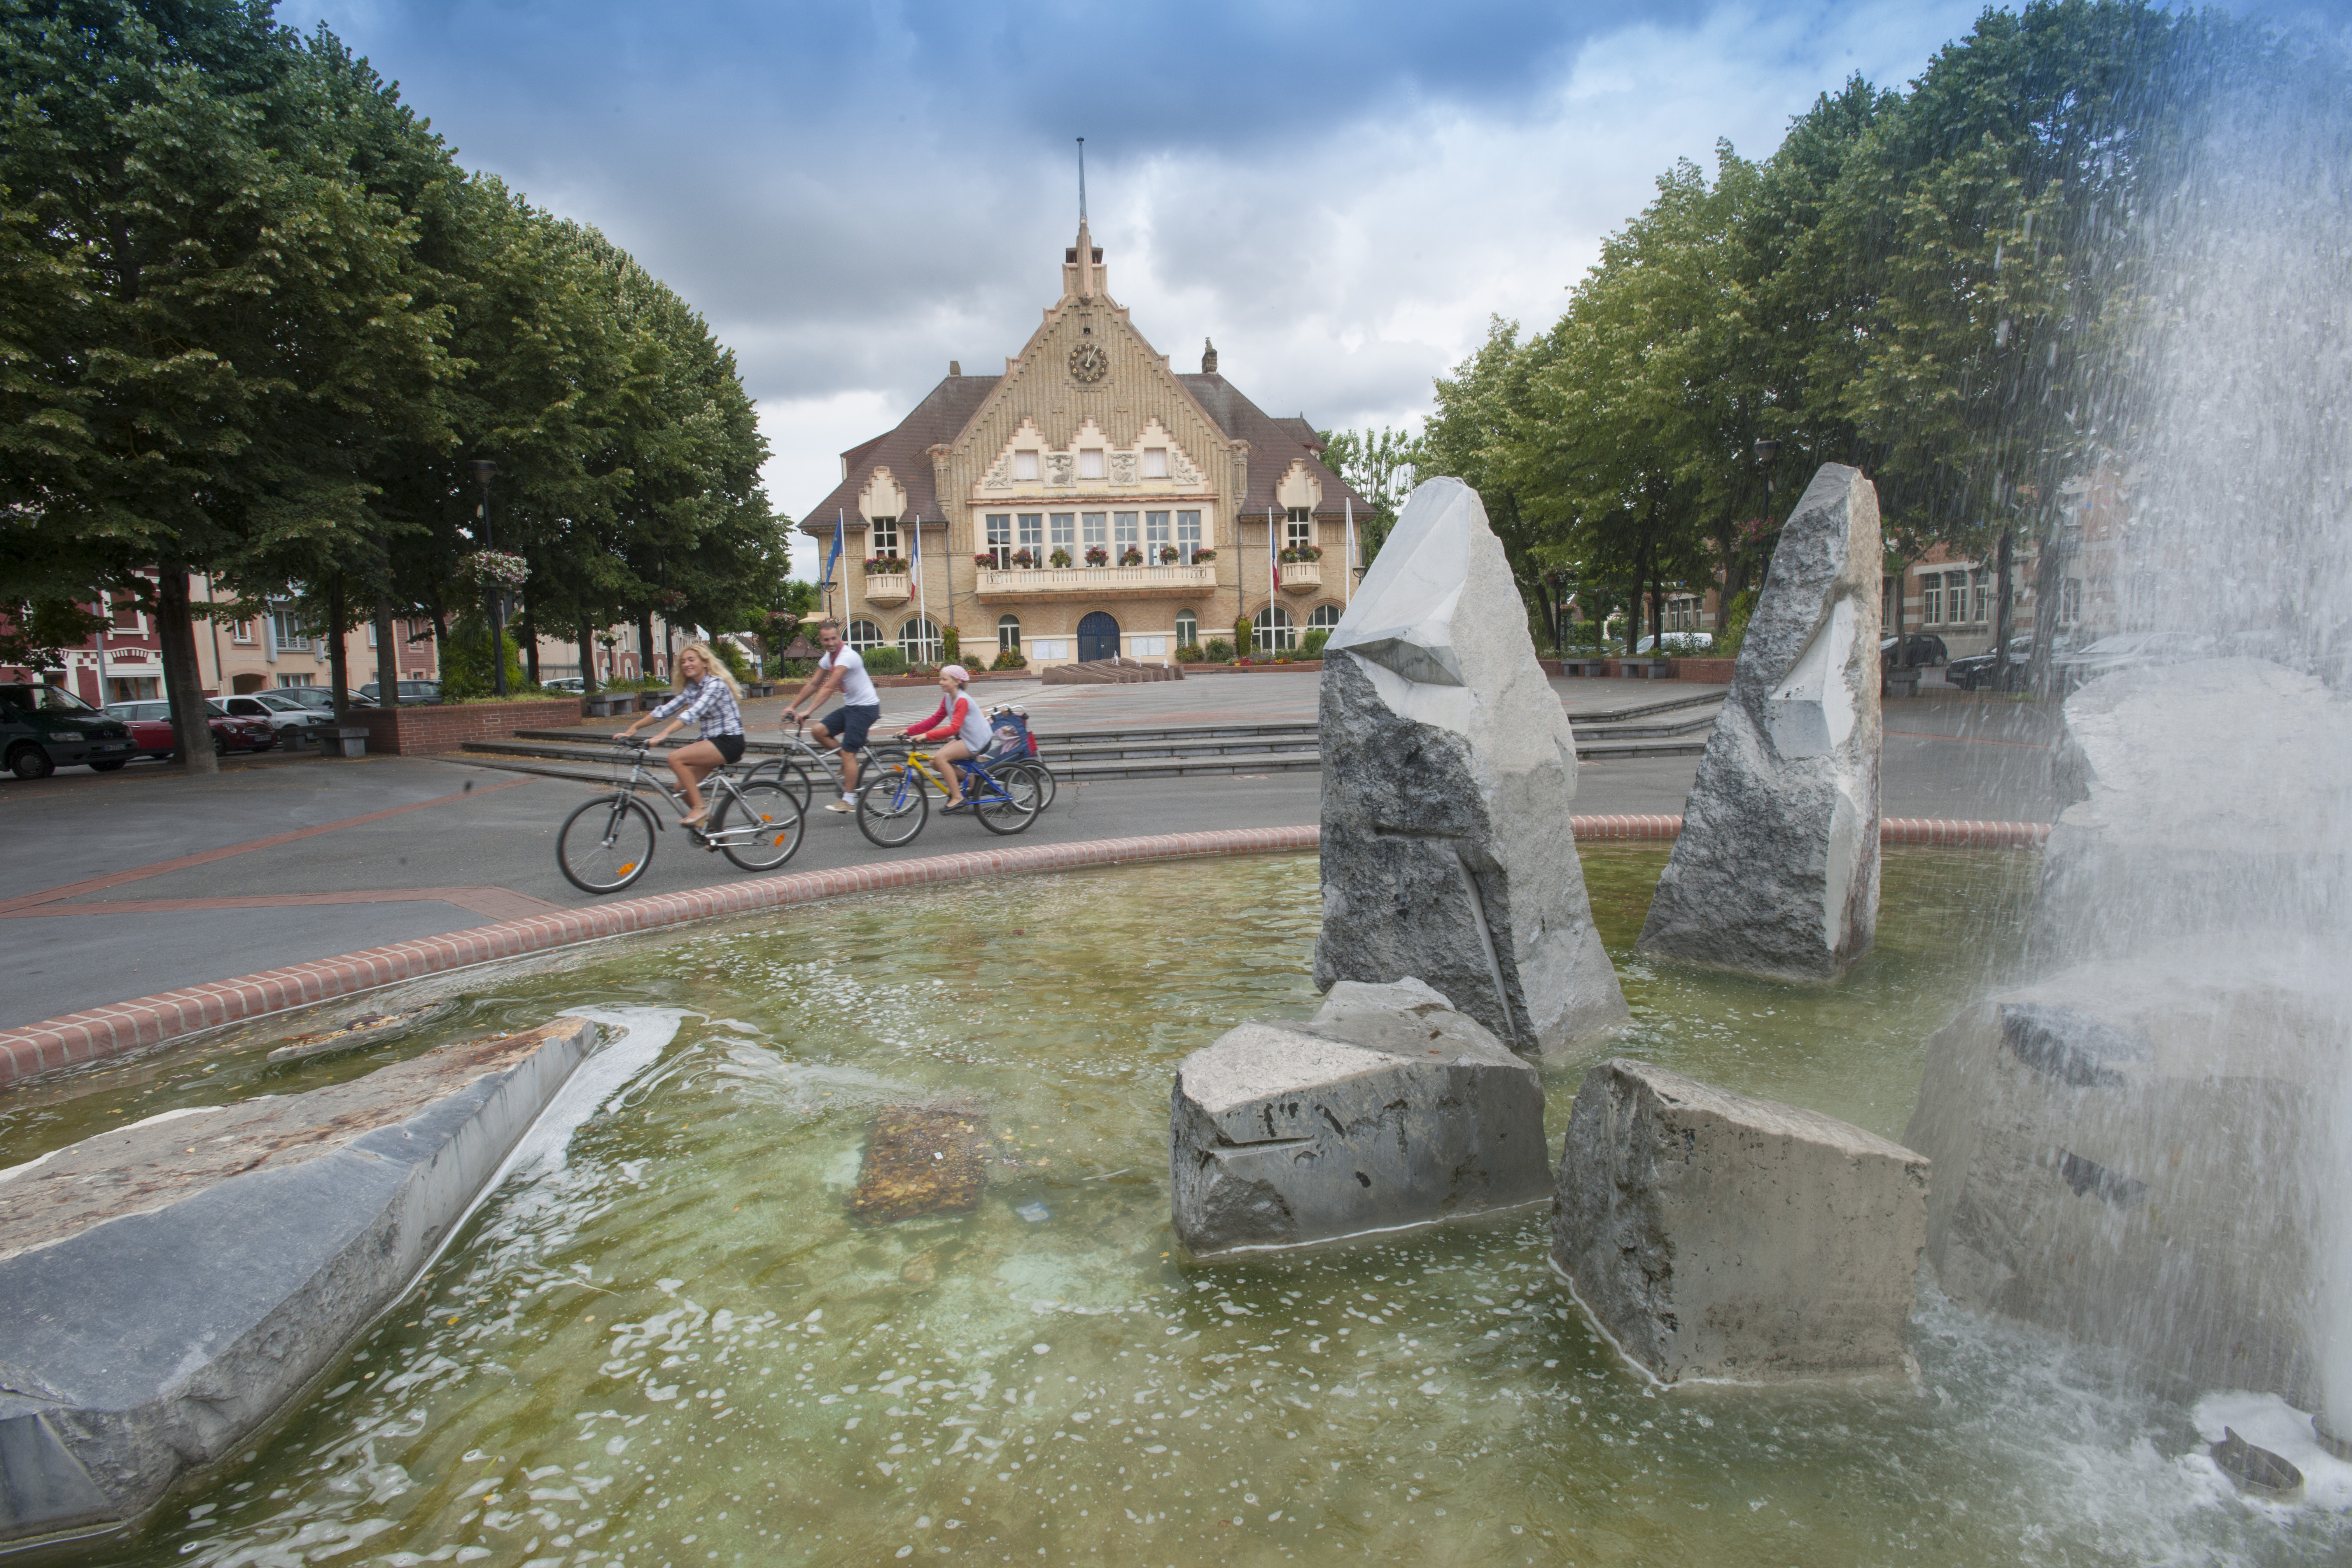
(706, 694)
(958, 717)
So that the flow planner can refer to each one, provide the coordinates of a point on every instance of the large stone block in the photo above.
(1712, 1235)
(2207, 796)
(1776, 869)
(167, 1289)
(1448, 773)
(2137, 1152)
(1386, 1109)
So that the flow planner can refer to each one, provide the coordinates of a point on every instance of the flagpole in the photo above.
(1347, 566)
(922, 596)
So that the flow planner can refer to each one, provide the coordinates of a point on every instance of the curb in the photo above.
(103, 1033)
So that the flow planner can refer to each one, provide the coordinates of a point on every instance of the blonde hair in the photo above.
(712, 664)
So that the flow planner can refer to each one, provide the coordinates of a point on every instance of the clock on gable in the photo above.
(1088, 363)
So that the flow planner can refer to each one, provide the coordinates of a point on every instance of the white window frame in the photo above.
(1025, 463)
(1008, 633)
(1090, 462)
(1931, 598)
(1273, 631)
(882, 536)
(1188, 629)
(862, 635)
(1188, 537)
(1096, 528)
(928, 646)
(1066, 532)
(1155, 462)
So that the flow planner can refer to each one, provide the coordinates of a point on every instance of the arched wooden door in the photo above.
(1097, 636)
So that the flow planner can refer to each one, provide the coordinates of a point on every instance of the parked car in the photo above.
(1926, 649)
(150, 728)
(320, 700)
(292, 718)
(2127, 650)
(571, 685)
(1677, 642)
(1973, 671)
(411, 692)
(45, 727)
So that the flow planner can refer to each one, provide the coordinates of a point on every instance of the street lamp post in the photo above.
(1767, 452)
(483, 470)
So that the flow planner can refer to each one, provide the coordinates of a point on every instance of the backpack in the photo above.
(1011, 728)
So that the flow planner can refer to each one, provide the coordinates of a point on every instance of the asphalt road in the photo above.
(143, 881)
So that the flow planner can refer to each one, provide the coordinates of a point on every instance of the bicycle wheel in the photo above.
(1046, 786)
(606, 843)
(759, 826)
(893, 807)
(1005, 803)
(791, 775)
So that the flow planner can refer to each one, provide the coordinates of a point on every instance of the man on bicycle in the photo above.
(844, 729)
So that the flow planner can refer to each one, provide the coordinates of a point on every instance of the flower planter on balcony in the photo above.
(880, 590)
(1098, 582)
(1302, 576)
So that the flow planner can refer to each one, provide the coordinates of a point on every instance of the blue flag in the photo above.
(840, 529)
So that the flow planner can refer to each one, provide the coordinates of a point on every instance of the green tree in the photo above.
(1382, 464)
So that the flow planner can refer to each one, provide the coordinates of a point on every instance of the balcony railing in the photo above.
(1302, 576)
(1122, 582)
(885, 590)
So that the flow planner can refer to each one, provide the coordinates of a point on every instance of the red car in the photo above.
(150, 728)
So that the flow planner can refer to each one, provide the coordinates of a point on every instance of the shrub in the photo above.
(732, 658)
(1189, 653)
(1219, 650)
(1735, 626)
(1311, 645)
(466, 660)
(952, 641)
(885, 661)
(1010, 659)
(1244, 641)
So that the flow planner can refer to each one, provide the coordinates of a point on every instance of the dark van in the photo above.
(45, 727)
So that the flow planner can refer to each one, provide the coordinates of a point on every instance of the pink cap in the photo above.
(955, 672)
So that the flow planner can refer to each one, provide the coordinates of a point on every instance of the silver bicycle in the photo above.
(792, 771)
(608, 843)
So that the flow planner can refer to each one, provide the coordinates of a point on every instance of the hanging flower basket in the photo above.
(1131, 556)
(1098, 557)
(669, 601)
(1059, 558)
(885, 566)
(985, 561)
(1024, 560)
(1298, 553)
(494, 569)
(1202, 557)
(1168, 555)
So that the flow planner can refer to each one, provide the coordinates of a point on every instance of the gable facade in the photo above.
(1090, 502)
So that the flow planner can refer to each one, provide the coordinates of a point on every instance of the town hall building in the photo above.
(1090, 502)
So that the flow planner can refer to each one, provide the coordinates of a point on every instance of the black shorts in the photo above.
(848, 725)
(731, 747)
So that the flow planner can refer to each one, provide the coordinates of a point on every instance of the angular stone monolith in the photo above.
(2140, 1151)
(1712, 1235)
(1448, 773)
(1776, 871)
(2206, 796)
(1386, 1109)
(166, 1288)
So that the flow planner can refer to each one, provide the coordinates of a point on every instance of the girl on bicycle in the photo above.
(958, 717)
(706, 694)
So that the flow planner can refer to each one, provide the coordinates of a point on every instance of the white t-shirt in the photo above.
(856, 686)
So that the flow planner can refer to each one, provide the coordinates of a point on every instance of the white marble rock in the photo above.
(1448, 777)
(1715, 1236)
(1386, 1109)
(1776, 871)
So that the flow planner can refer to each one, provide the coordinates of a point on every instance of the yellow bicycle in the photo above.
(893, 805)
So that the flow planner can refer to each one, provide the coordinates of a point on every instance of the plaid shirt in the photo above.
(709, 704)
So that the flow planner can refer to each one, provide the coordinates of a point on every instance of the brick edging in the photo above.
(105, 1032)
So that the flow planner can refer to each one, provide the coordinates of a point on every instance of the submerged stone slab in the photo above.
(1448, 773)
(2141, 1152)
(1776, 869)
(1388, 1108)
(920, 1160)
(2207, 796)
(167, 1288)
(1712, 1235)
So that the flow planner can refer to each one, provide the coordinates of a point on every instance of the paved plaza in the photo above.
(146, 880)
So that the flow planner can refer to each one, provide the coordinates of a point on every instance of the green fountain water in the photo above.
(663, 1339)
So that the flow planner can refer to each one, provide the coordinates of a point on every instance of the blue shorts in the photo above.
(848, 725)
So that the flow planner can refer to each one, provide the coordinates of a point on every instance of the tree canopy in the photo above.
(256, 322)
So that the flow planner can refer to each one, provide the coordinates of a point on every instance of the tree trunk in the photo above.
(587, 655)
(2003, 559)
(387, 661)
(2049, 578)
(1901, 643)
(339, 652)
(440, 637)
(176, 628)
(645, 644)
(530, 630)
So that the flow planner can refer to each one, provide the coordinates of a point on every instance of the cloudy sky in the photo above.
(855, 194)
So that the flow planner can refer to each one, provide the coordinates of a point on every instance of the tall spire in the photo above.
(1086, 258)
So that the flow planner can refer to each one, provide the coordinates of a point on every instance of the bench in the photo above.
(1587, 667)
(1647, 668)
(339, 740)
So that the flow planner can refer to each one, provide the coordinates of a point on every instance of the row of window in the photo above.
(1028, 464)
(1953, 598)
(1041, 532)
(1272, 630)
